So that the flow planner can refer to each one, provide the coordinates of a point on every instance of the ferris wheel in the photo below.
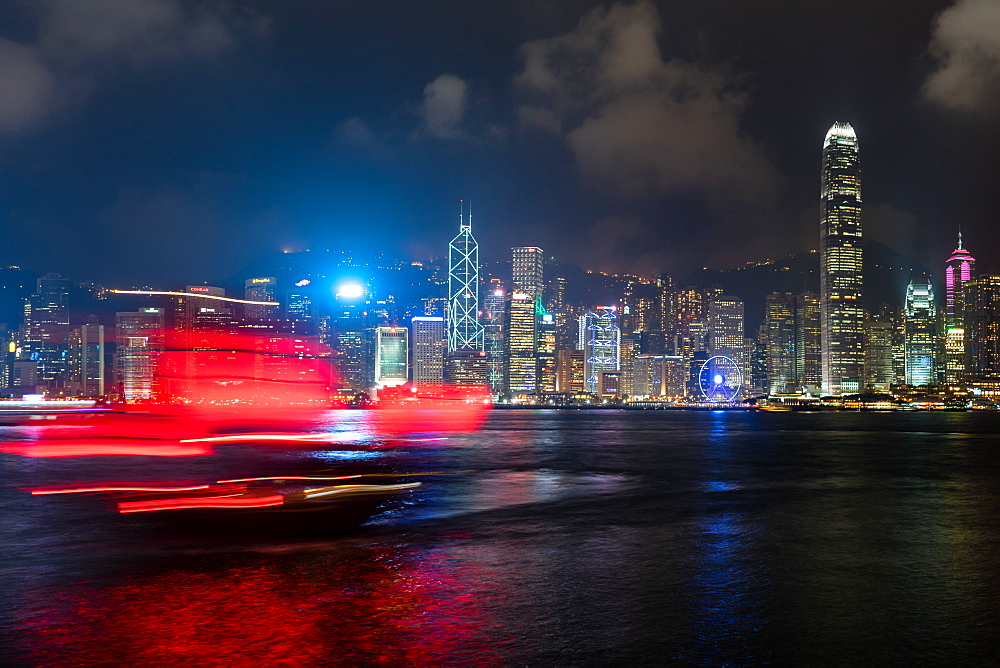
(720, 379)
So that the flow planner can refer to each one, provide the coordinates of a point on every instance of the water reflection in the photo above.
(357, 605)
(688, 538)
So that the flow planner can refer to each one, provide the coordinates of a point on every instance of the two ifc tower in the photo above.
(842, 311)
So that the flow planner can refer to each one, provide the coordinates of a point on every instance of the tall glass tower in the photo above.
(842, 317)
(920, 343)
(464, 329)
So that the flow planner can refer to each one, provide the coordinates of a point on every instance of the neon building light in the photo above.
(958, 272)
(602, 345)
(464, 329)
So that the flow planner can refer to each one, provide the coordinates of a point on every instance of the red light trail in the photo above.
(189, 503)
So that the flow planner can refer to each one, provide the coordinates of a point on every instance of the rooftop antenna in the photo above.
(959, 236)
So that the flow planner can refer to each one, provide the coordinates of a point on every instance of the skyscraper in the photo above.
(569, 371)
(428, 351)
(391, 356)
(140, 341)
(792, 342)
(493, 332)
(879, 372)
(725, 329)
(982, 323)
(603, 341)
(779, 324)
(261, 289)
(545, 352)
(87, 360)
(46, 331)
(841, 290)
(920, 334)
(527, 269)
(464, 330)
(958, 272)
(521, 344)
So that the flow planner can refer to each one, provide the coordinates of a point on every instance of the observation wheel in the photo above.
(720, 379)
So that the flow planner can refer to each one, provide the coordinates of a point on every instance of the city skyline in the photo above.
(714, 378)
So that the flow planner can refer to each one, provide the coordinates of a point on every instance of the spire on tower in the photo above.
(959, 237)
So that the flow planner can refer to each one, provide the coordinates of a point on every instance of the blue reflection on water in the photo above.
(718, 486)
(346, 455)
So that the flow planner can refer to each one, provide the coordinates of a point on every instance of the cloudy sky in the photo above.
(163, 140)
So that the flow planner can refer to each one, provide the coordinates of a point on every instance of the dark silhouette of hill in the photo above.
(887, 273)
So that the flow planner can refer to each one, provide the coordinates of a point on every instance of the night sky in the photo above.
(157, 141)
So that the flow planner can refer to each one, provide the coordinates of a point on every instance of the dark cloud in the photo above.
(26, 87)
(78, 39)
(966, 48)
(133, 31)
(638, 124)
(353, 131)
(443, 107)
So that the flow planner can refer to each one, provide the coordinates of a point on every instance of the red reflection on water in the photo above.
(346, 606)
(439, 409)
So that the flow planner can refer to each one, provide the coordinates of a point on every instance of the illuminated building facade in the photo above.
(609, 384)
(493, 332)
(46, 332)
(920, 327)
(660, 376)
(879, 364)
(197, 318)
(352, 360)
(391, 356)
(602, 345)
(779, 325)
(521, 344)
(467, 368)
(87, 361)
(631, 345)
(557, 297)
(260, 289)
(792, 342)
(958, 272)
(464, 330)
(725, 329)
(841, 286)
(569, 370)
(139, 342)
(546, 352)
(298, 305)
(428, 351)
(527, 269)
(982, 328)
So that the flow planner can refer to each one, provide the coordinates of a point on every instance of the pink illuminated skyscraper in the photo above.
(958, 272)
